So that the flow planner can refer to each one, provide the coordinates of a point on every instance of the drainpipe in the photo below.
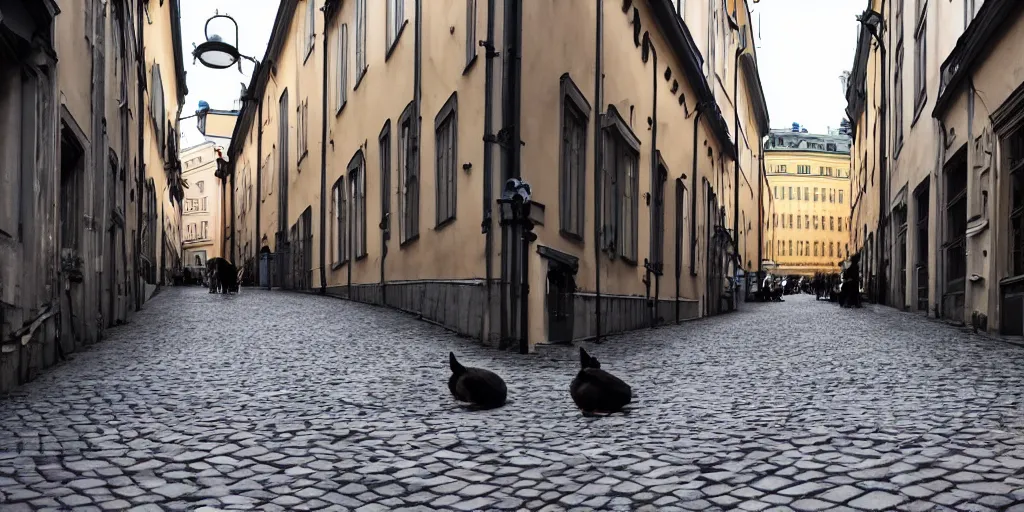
(883, 192)
(693, 192)
(650, 265)
(598, 165)
(679, 270)
(761, 215)
(486, 226)
(509, 137)
(327, 9)
(141, 185)
(259, 181)
(736, 172)
(233, 213)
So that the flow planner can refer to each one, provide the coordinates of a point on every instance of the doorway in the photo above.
(922, 200)
(955, 246)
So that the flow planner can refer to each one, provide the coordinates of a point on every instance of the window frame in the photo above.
(471, 41)
(625, 148)
(356, 172)
(340, 220)
(920, 60)
(310, 29)
(395, 22)
(572, 202)
(361, 60)
(446, 129)
(384, 149)
(408, 174)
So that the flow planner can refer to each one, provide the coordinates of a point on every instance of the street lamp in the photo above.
(215, 53)
(514, 211)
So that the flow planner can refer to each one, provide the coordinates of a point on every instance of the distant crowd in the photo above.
(842, 288)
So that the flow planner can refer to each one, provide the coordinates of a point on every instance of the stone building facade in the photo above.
(939, 86)
(377, 138)
(809, 177)
(80, 193)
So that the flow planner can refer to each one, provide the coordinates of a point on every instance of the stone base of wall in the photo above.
(22, 362)
(622, 313)
(456, 305)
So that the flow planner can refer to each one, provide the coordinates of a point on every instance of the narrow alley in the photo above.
(280, 401)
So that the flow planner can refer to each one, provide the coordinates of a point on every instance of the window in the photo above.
(680, 221)
(832, 223)
(803, 169)
(815, 222)
(798, 193)
(815, 249)
(310, 26)
(782, 169)
(840, 197)
(821, 170)
(775, 220)
(790, 247)
(831, 249)
(340, 205)
(303, 132)
(360, 40)
(408, 179)
(807, 194)
(658, 215)
(341, 71)
(807, 221)
(839, 225)
(357, 194)
(470, 32)
(799, 225)
(201, 186)
(573, 159)
(790, 193)
(384, 142)
(791, 221)
(776, 192)
(446, 155)
(815, 194)
(920, 57)
(898, 95)
(396, 22)
(1015, 158)
(621, 181)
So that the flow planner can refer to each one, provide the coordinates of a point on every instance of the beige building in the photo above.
(809, 177)
(384, 187)
(952, 145)
(201, 217)
(81, 185)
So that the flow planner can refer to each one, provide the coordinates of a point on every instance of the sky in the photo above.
(804, 46)
(221, 87)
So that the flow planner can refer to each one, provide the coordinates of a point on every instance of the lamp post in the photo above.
(215, 53)
(514, 210)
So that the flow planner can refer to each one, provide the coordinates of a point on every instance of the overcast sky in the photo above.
(804, 47)
(221, 87)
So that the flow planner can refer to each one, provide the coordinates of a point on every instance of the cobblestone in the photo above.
(297, 402)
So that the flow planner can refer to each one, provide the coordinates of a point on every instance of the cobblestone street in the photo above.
(296, 402)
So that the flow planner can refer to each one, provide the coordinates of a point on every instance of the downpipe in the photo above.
(488, 221)
(650, 265)
(693, 192)
(326, 9)
(598, 164)
(736, 178)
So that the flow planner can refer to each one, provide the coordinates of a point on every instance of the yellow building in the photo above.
(164, 189)
(75, 221)
(939, 225)
(380, 208)
(809, 178)
(202, 208)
